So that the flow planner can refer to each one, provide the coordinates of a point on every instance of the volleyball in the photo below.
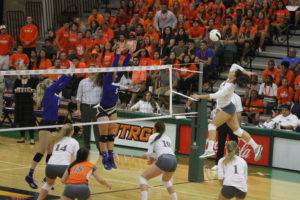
(214, 35)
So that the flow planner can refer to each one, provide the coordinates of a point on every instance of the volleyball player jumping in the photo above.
(64, 147)
(237, 76)
(47, 97)
(106, 111)
(232, 174)
(165, 164)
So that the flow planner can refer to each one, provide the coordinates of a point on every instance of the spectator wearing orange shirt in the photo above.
(151, 33)
(286, 72)
(19, 59)
(57, 65)
(143, 55)
(107, 32)
(80, 46)
(191, 13)
(182, 23)
(206, 6)
(196, 32)
(73, 37)
(95, 16)
(246, 36)
(89, 41)
(272, 71)
(107, 56)
(282, 16)
(121, 17)
(149, 19)
(229, 36)
(262, 26)
(62, 38)
(28, 36)
(135, 20)
(101, 40)
(43, 62)
(285, 93)
(6, 45)
(109, 19)
(187, 80)
(149, 46)
(65, 62)
(254, 107)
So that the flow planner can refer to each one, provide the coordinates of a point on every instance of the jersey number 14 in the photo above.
(64, 148)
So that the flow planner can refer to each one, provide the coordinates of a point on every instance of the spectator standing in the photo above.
(88, 95)
(285, 93)
(6, 45)
(164, 18)
(62, 38)
(28, 36)
(95, 16)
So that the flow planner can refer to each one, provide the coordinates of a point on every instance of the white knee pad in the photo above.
(142, 181)
(238, 132)
(167, 184)
(211, 127)
(47, 187)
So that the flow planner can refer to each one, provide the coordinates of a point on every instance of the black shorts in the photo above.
(105, 111)
(167, 163)
(230, 108)
(229, 192)
(77, 191)
(54, 171)
(48, 123)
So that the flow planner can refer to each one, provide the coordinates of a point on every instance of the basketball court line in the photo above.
(12, 163)
(16, 168)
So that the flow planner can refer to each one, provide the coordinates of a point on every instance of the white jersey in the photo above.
(234, 174)
(226, 90)
(237, 102)
(63, 150)
(160, 146)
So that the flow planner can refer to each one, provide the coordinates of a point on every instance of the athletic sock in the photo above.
(174, 196)
(211, 144)
(144, 195)
(103, 154)
(252, 143)
(31, 171)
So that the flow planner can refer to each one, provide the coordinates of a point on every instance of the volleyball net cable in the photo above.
(91, 70)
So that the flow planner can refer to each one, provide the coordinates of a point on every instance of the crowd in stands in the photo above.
(166, 32)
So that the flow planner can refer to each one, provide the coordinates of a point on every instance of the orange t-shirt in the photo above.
(155, 62)
(228, 31)
(80, 48)
(82, 66)
(290, 76)
(89, 43)
(190, 15)
(108, 34)
(148, 22)
(185, 25)
(6, 44)
(153, 36)
(53, 77)
(44, 64)
(63, 38)
(258, 103)
(99, 18)
(80, 173)
(107, 60)
(139, 76)
(285, 95)
(297, 81)
(72, 40)
(100, 42)
(18, 60)
(192, 67)
(261, 23)
(247, 32)
(29, 33)
(281, 15)
(144, 61)
(92, 62)
(206, 7)
(275, 74)
(65, 64)
(199, 31)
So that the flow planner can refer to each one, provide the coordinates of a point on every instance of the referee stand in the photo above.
(198, 136)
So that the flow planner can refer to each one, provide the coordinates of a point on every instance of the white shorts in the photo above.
(4, 62)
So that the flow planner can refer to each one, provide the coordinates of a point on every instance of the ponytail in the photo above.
(65, 131)
(160, 128)
(82, 155)
(232, 150)
(40, 90)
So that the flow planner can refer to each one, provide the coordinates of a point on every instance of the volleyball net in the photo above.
(21, 95)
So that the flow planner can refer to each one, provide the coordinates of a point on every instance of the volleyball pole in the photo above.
(198, 136)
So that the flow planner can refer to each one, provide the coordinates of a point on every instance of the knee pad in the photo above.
(47, 187)
(211, 127)
(110, 138)
(38, 157)
(103, 138)
(142, 181)
(167, 184)
(238, 132)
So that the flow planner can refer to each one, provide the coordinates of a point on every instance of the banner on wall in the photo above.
(136, 134)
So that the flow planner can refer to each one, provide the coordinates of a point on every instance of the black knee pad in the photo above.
(38, 157)
(111, 138)
(48, 157)
(103, 138)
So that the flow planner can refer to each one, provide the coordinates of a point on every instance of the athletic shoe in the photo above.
(31, 182)
(207, 154)
(259, 50)
(44, 181)
(215, 168)
(112, 162)
(106, 163)
(21, 141)
(258, 152)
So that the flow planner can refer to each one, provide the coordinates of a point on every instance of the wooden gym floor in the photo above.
(264, 183)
